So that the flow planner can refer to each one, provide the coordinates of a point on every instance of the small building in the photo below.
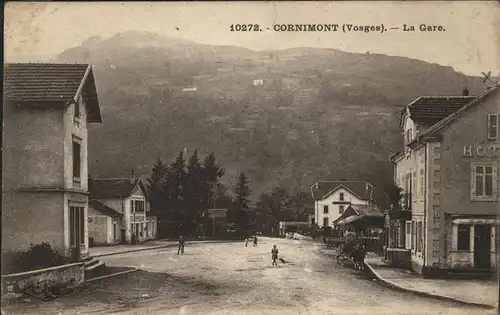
(120, 212)
(47, 111)
(361, 219)
(331, 198)
(293, 226)
(448, 170)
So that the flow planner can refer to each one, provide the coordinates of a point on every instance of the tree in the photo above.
(238, 212)
(394, 196)
(156, 186)
(211, 175)
(175, 186)
(194, 191)
(242, 192)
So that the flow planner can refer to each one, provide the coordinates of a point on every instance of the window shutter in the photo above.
(492, 126)
(408, 235)
(473, 182)
(495, 180)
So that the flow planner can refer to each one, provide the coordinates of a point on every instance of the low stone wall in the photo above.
(65, 275)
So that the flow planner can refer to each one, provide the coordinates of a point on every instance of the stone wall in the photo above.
(66, 275)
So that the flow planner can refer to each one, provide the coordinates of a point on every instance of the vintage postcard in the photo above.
(251, 157)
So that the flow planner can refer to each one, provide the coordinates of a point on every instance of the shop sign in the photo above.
(482, 150)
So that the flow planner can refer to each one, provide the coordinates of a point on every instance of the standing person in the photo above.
(255, 241)
(246, 242)
(181, 245)
(274, 253)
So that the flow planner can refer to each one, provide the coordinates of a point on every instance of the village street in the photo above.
(231, 278)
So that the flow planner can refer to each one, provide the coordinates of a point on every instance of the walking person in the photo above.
(274, 253)
(181, 245)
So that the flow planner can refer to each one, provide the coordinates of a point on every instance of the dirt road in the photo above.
(230, 278)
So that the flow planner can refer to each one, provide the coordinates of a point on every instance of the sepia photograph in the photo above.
(251, 157)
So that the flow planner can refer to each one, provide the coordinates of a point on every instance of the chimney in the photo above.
(465, 92)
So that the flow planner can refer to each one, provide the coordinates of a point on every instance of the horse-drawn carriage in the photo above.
(348, 250)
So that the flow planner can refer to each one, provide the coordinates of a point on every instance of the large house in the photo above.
(331, 198)
(119, 212)
(449, 173)
(46, 114)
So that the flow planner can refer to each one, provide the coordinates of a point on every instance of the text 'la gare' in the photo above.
(423, 28)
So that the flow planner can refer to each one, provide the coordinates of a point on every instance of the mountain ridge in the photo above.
(319, 114)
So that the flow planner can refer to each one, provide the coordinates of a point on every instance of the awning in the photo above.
(477, 221)
(348, 220)
(354, 218)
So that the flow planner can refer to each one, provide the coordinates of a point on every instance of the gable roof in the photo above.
(49, 83)
(103, 209)
(103, 188)
(431, 109)
(322, 189)
(435, 129)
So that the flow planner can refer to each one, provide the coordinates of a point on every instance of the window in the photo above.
(76, 160)
(414, 183)
(77, 108)
(413, 230)
(341, 209)
(136, 205)
(408, 136)
(493, 132)
(419, 238)
(142, 229)
(421, 180)
(137, 229)
(341, 197)
(325, 209)
(484, 177)
(408, 235)
(463, 237)
(131, 228)
(325, 222)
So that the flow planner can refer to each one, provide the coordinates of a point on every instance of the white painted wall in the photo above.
(333, 209)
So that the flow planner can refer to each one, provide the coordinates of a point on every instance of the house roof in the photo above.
(464, 110)
(369, 210)
(431, 109)
(103, 188)
(322, 189)
(103, 209)
(363, 211)
(51, 83)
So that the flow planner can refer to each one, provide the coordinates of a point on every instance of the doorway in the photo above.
(76, 229)
(482, 246)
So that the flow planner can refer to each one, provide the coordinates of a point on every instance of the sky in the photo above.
(470, 42)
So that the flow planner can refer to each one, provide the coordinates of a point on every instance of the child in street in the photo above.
(181, 246)
(274, 253)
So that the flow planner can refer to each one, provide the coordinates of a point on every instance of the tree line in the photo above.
(181, 193)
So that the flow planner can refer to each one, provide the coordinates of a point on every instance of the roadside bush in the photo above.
(35, 257)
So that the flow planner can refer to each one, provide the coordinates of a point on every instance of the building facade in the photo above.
(331, 199)
(449, 174)
(120, 212)
(47, 111)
